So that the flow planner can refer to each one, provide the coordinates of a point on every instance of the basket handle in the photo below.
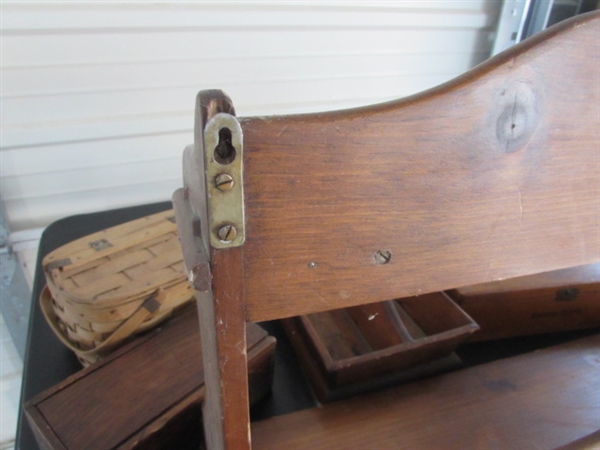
(149, 306)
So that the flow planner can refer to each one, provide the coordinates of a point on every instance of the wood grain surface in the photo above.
(545, 399)
(560, 300)
(218, 277)
(140, 395)
(490, 176)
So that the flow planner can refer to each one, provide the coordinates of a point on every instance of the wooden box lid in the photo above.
(549, 302)
(145, 395)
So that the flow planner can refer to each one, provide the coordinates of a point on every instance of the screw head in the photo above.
(224, 182)
(226, 233)
(383, 256)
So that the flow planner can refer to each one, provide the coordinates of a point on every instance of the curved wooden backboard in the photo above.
(490, 176)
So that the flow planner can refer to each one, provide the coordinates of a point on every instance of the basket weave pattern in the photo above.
(111, 284)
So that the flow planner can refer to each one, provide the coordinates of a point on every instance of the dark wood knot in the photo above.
(518, 120)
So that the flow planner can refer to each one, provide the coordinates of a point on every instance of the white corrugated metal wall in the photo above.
(97, 97)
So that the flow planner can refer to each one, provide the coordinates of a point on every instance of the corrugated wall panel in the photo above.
(31, 161)
(98, 98)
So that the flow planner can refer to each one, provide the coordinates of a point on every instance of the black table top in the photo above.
(48, 362)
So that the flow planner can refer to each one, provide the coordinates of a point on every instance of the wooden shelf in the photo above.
(544, 399)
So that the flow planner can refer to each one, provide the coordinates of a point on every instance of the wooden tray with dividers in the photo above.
(352, 350)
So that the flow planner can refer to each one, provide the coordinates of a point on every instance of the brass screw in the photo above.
(226, 233)
(383, 256)
(224, 182)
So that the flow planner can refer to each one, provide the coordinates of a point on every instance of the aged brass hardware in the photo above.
(224, 180)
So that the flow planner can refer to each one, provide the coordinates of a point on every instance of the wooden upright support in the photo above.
(490, 176)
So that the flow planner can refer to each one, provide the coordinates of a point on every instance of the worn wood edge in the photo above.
(164, 419)
(589, 442)
(507, 314)
(482, 69)
(579, 275)
(35, 417)
(226, 409)
(43, 433)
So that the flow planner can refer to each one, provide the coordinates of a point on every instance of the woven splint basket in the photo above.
(105, 287)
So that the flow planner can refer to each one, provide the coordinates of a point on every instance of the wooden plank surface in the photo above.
(491, 176)
(541, 400)
(571, 276)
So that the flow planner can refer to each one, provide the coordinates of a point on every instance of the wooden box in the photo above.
(561, 300)
(355, 349)
(146, 395)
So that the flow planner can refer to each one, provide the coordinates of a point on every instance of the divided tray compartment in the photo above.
(351, 350)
